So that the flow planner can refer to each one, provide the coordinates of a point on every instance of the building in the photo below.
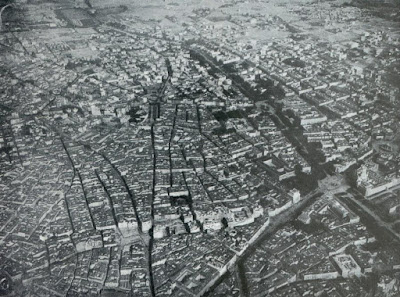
(347, 265)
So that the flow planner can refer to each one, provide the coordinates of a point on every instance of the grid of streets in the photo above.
(199, 149)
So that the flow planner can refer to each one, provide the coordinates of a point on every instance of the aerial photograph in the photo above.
(190, 148)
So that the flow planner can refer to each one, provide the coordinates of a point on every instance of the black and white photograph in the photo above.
(200, 148)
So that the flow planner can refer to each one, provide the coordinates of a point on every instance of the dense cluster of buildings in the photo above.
(326, 250)
(145, 161)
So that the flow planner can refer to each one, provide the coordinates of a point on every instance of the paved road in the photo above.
(275, 224)
(364, 211)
